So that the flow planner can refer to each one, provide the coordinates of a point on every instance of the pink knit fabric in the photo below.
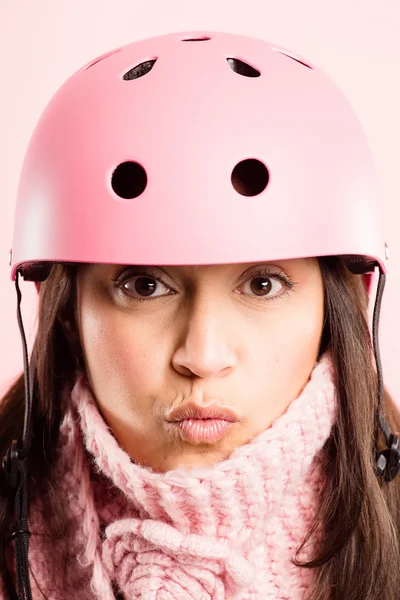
(224, 532)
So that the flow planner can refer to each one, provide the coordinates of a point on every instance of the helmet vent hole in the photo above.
(129, 180)
(294, 58)
(250, 177)
(199, 39)
(242, 68)
(139, 70)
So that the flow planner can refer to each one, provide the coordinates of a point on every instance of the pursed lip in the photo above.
(191, 410)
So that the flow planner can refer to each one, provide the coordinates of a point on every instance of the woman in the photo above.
(203, 416)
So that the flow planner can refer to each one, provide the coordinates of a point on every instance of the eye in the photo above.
(141, 287)
(266, 286)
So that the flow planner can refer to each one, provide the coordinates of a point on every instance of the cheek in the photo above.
(285, 349)
(303, 329)
(119, 354)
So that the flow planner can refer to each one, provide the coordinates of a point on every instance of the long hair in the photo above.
(358, 555)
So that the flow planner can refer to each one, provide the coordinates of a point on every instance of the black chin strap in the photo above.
(14, 463)
(387, 461)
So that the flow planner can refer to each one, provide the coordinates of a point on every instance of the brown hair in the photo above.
(359, 554)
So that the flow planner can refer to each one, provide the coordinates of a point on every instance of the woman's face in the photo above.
(244, 336)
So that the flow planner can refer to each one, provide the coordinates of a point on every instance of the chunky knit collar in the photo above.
(229, 531)
(225, 531)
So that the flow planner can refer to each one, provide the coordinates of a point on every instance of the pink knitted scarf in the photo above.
(228, 531)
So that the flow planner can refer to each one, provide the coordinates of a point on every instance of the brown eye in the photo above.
(261, 285)
(143, 286)
(265, 287)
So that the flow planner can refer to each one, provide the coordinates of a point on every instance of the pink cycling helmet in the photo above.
(197, 148)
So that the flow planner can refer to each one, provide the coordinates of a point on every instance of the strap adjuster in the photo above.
(388, 461)
(10, 465)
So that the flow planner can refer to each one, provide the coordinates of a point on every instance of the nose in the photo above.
(207, 343)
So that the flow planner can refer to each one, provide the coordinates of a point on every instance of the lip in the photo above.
(202, 431)
(191, 410)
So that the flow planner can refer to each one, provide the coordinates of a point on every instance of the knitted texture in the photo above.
(229, 531)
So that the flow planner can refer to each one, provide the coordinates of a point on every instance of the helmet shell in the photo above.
(224, 165)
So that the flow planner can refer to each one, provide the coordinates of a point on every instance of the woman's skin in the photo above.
(219, 333)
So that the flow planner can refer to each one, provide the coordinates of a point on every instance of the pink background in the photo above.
(43, 42)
